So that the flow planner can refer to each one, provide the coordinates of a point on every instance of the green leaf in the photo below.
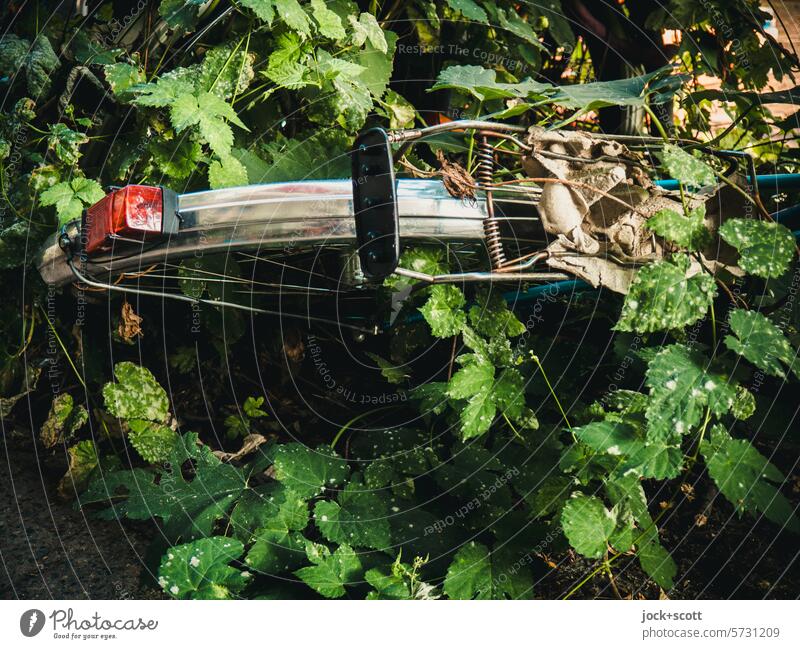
(745, 478)
(508, 393)
(328, 22)
(366, 28)
(469, 10)
(387, 584)
(359, 518)
(136, 395)
(661, 297)
(491, 316)
(476, 573)
(180, 14)
(309, 472)
(474, 383)
(66, 143)
(271, 506)
(330, 572)
(122, 77)
(178, 158)
(200, 570)
(657, 562)
(598, 94)
(657, 458)
(765, 249)
(225, 71)
(227, 172)
(684, 231)
(483, 85)
(613, 438)
(252, 407)
(587, 525)
(686, 168)
(444, 311)
(391, 372)
(151, 440)
(288, 11)
(188, 508)
(681, 388)
(70, 197)
(760, 341)
(399, 110)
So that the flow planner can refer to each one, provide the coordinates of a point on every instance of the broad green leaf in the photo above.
(508, 393)
(331, 572)
(657, 562)
(178, 158)
(661, 297)
(289, 62)
(474, 382)
(328, 22)
(188, 508)
(358, 518)
(681, 388)
(181, 14)
(288, 11)
(153, 441)
(765, 249)
(387, 584)
(491, 316)
(661, 459)
(686, 168)
(477, 573)
(122, 77)
(684, 231)
(399, 110)
(444, 311)
(746, 478)
(587, 525)
(227, 172)
(482, 83)
(271, 506)
(71, 197)
(226, 71)
(66, 143)
(614, 438)
(366, 28)
(469, 10)
(136, 395)
(200, 570)
(760, 342)
(308, 472)
(619, 92)
(299, 159)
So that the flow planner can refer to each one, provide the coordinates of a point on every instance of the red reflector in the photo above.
(133, 212)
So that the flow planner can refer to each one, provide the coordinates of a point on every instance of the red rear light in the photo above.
(133, 212)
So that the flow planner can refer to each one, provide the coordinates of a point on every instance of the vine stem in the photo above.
(693, 458)
(552, 392)
(347, 425)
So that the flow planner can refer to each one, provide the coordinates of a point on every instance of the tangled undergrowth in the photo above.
(501, 439)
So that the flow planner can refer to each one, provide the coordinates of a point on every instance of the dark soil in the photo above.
(50, 550)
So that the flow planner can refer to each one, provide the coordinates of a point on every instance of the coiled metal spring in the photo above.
(491, 226)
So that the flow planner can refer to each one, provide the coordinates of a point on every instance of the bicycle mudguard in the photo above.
(375, 204)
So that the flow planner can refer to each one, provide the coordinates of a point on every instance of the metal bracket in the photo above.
(375, 204)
